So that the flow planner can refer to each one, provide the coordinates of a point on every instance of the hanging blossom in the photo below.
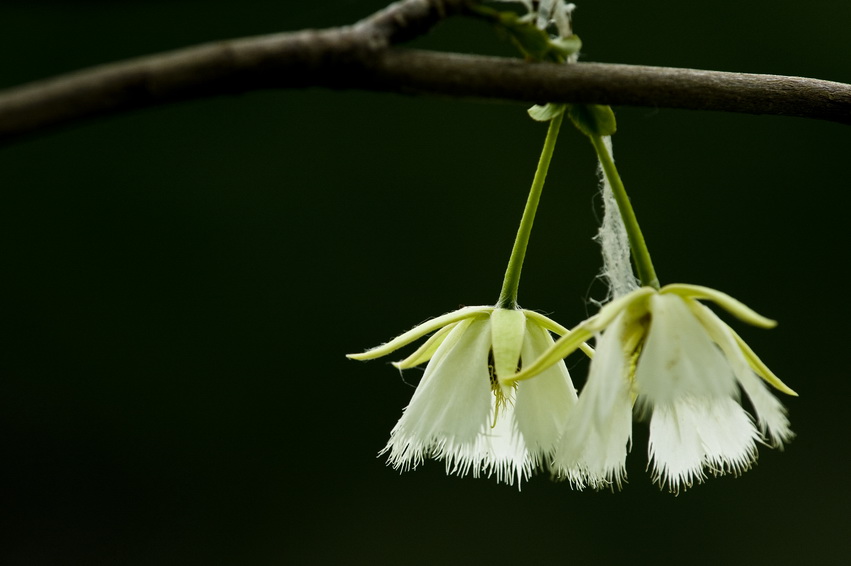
(664, 354)
(462, 412)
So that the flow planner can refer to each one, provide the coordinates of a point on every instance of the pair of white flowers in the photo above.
(496, 398)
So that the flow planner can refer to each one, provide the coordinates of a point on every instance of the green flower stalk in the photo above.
(511, 281)
(597, 121)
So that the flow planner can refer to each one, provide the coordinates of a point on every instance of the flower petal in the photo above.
(728, 303)
(679, 358)
(419, 331)
(694, 433)
(770, 413)
(593, 447)
(451, 404)
(729, 438)
(542, 404)
(498, 452)
(674, 448)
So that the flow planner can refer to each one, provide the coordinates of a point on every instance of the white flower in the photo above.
(667, 355)
(461, 413)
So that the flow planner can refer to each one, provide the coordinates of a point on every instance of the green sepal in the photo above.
(593, 119)
(546, 112)
(425, 352)
(508, 327)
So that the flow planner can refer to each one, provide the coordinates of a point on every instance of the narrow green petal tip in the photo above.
(419, 331)
(358, 357)
(761, 368)
(562, 348)
(425, 352)
(723, 300)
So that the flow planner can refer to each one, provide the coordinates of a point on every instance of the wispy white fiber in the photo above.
(617, 265)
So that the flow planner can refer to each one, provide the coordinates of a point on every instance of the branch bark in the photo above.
(364, 56)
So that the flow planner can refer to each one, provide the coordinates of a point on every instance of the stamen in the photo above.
(500, 398)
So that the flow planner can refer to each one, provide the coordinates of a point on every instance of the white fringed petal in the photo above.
(702, 428)
(679, 358)
(594, 445)
(770, 413)
(498, 451)
(450, 405)
(542, 404)
(693, 434)
(729, 438)
(674, 448)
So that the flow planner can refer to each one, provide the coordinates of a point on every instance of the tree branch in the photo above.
(363, 56)
(422, 72)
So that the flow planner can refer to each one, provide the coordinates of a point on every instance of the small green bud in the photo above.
(593, 119)
(546, 112)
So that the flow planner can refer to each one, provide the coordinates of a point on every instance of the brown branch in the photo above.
(629, 85)
(363, 56)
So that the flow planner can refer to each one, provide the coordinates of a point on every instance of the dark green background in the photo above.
(180, 286)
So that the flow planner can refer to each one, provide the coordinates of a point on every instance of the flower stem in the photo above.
(640, 253)
(511, 282)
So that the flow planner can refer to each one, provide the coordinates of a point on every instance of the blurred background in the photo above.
(181, 286)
